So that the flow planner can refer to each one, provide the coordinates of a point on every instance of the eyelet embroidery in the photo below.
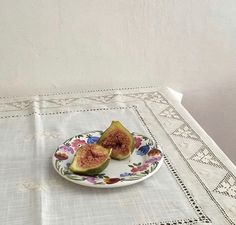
(170, 112)
(45, 134)
(205, 156)
(186, 132)
(227, 186)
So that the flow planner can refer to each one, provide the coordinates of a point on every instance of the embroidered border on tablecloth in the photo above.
(78, 92)
(195, 135)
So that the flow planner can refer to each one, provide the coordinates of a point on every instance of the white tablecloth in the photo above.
(195, 185)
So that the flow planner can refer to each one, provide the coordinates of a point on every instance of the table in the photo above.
(195, 185)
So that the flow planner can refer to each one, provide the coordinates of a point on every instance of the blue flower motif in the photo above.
(125, 174)
(92, 139)
(143, 150)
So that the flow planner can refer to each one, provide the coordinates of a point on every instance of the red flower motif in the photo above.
(139, 168)
(111, 180)
(137, 141)
(134, 170)
(61, 155)
(78, 143)
(154, 152)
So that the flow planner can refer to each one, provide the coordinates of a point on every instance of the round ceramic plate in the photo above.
(145, 160)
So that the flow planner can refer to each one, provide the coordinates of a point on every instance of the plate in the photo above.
(145, 160)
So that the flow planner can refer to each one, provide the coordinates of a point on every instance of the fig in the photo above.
(90, 159)
(119, 139)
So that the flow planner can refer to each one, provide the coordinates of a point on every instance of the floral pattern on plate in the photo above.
(145, 160)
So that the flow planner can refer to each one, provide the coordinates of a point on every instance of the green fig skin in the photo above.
(117, 137)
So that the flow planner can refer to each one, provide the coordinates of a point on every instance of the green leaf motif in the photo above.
(150, 142)
(154, 166)
(67, 172)
(75, 177)
(79, 136)
(101, 175)
(57, 164)
(145, 138)
(61, 171)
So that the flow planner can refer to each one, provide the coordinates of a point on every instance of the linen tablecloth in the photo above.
(195, 185)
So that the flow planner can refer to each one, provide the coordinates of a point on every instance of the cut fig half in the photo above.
(119, 139)
(90, 159)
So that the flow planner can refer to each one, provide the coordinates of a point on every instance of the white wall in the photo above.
(51, 45)
(48, 45)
